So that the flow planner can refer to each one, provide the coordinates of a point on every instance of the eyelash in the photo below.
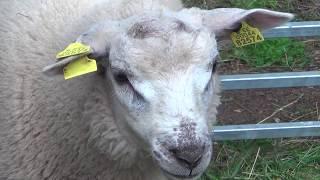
(214, 66)
(121, 78)
(213, 69)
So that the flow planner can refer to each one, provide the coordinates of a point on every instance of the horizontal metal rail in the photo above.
(278, 80)
(270, 80)
(273, 80)
(295, 29)
(262, 131)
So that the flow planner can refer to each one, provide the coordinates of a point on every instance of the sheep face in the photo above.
(163, 74)
(161, 71)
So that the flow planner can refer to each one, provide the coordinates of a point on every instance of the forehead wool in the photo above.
(164, 46)
(156, 27)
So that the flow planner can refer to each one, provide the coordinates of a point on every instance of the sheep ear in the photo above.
(98, 38)
(224, 21)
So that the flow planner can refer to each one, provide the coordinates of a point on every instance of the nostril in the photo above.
(190, 158)
(191, 164)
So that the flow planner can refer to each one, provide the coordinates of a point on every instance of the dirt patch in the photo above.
(304, 9)
(269, 105)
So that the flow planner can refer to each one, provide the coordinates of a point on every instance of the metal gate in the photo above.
(273, 80)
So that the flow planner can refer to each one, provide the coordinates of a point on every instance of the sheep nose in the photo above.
(188, 156)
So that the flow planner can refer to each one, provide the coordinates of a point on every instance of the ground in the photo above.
(251, 106)
(269, 159)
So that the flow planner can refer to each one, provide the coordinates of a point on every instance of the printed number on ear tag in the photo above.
(79, 67)
(74, 49)
(247, 35)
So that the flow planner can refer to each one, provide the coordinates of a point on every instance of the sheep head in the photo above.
(162, 70)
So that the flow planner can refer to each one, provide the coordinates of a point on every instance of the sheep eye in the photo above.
(214, 66)
(121, 78)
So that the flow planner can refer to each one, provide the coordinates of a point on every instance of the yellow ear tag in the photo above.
(74, 49)
(79, 67)
(246, 35)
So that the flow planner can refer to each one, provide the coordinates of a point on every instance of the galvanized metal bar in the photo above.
(273, 80)
(270, 80)
(295, 29)
(262, 131)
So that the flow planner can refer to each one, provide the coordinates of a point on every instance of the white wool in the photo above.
(50, 127)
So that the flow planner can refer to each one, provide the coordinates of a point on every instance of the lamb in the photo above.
(148, 111)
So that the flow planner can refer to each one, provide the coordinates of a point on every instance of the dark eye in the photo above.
(121, 78)
(214, 66)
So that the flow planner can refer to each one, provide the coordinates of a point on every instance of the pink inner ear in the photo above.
(263, 19)
(224, 21)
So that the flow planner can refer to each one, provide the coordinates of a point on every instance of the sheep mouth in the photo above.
(190, 176)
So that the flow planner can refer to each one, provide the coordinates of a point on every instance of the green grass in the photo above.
(304, 10)
(270, 4)
(289, 160)
(246, 4)
(281, 52)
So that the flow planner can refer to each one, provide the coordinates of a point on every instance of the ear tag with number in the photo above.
(74, 49)
(79, 67)
(247, 35)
